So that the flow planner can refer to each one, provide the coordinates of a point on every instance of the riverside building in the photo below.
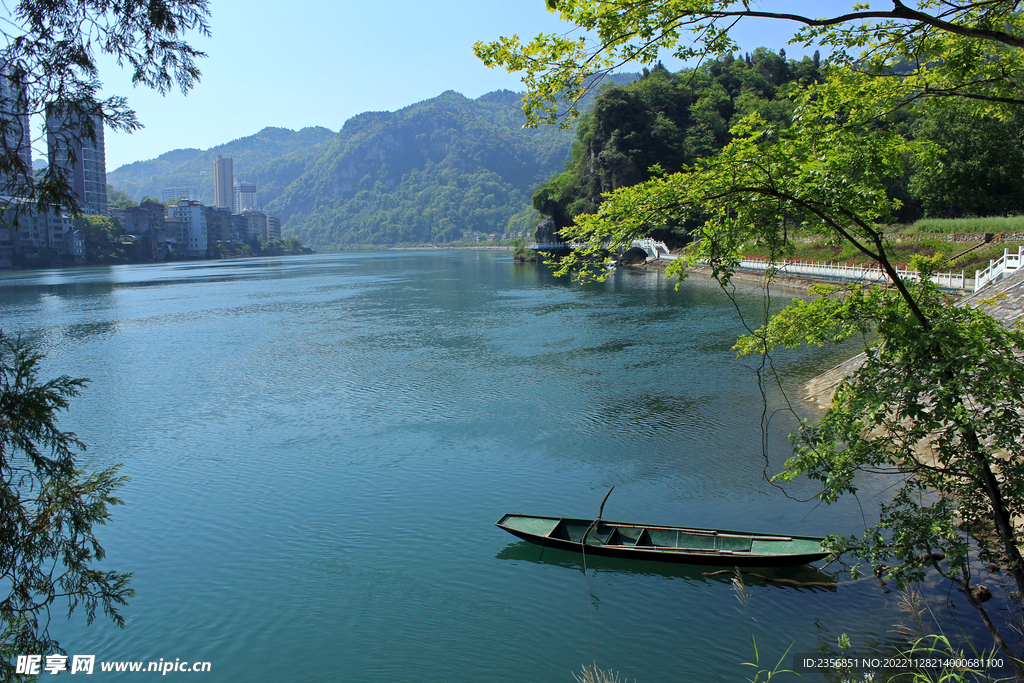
(223, 183)
(76, 145)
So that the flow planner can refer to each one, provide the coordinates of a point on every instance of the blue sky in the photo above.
(320, 62)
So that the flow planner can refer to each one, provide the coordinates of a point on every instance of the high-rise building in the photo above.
(245, 197)
(224, 183)
(143, 219)
(240, 227)
(81, 156)
(175, 193)
(220, 226)
(15, 135)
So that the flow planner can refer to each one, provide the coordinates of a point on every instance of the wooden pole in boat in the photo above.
(600, 512)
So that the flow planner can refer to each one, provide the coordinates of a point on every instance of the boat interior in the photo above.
(644, 537)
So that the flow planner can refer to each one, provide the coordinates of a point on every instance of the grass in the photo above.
(927, 641)
(993, 224)
(900, 254)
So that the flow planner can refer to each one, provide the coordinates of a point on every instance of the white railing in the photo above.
(860, 273)
(653, 248)
(1006, 263)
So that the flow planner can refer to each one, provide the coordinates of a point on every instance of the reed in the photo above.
(592, 674)
(926, 641)
(761, 675)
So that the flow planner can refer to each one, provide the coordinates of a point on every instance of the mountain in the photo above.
(193, 168)
(425, 173)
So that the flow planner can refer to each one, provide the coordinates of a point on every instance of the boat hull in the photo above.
(665, 544)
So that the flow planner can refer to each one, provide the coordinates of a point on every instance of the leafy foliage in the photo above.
(967, 49)
(119, 199)
(49, 507)
(981, 166)
(664, 122)
(102, 243)
(49, 58)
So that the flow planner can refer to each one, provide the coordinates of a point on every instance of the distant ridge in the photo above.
(426, 173)
(193, 167)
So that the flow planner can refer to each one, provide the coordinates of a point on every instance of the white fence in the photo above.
(1007, 263)
(859, 273)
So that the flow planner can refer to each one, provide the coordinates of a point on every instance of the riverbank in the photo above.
(1003, 300)
(794, 284)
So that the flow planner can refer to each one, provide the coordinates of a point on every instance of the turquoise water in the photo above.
(319, 447)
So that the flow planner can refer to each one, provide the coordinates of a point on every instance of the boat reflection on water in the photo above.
(806, 577)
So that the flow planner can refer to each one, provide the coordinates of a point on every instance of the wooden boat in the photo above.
(665, 543)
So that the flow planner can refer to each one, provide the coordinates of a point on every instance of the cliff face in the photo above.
(546, 229)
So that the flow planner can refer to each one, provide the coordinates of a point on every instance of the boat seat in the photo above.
(573, 531)
(736, 544)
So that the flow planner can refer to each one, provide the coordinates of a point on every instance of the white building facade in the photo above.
(193, 236)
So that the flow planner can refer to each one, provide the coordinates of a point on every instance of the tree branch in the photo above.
(899, 12)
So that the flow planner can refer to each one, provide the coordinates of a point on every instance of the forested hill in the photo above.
(669, 120)
(193, 168)
(426, 173)
(674, 119)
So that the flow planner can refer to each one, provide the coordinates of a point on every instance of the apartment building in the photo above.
(192, 231)
(76, 147)
(224, 183)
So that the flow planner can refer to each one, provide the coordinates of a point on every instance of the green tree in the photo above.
(101, 235)
(49, 507)
(981, 163)
(944, 49)
(118, 199)
(49, 57)
(937, 403)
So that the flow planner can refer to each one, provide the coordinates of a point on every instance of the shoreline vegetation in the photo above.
(1003, 301)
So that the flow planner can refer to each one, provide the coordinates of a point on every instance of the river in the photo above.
(319, 447)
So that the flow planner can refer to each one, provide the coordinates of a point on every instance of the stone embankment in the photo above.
(789, 283)
(1003, 300)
